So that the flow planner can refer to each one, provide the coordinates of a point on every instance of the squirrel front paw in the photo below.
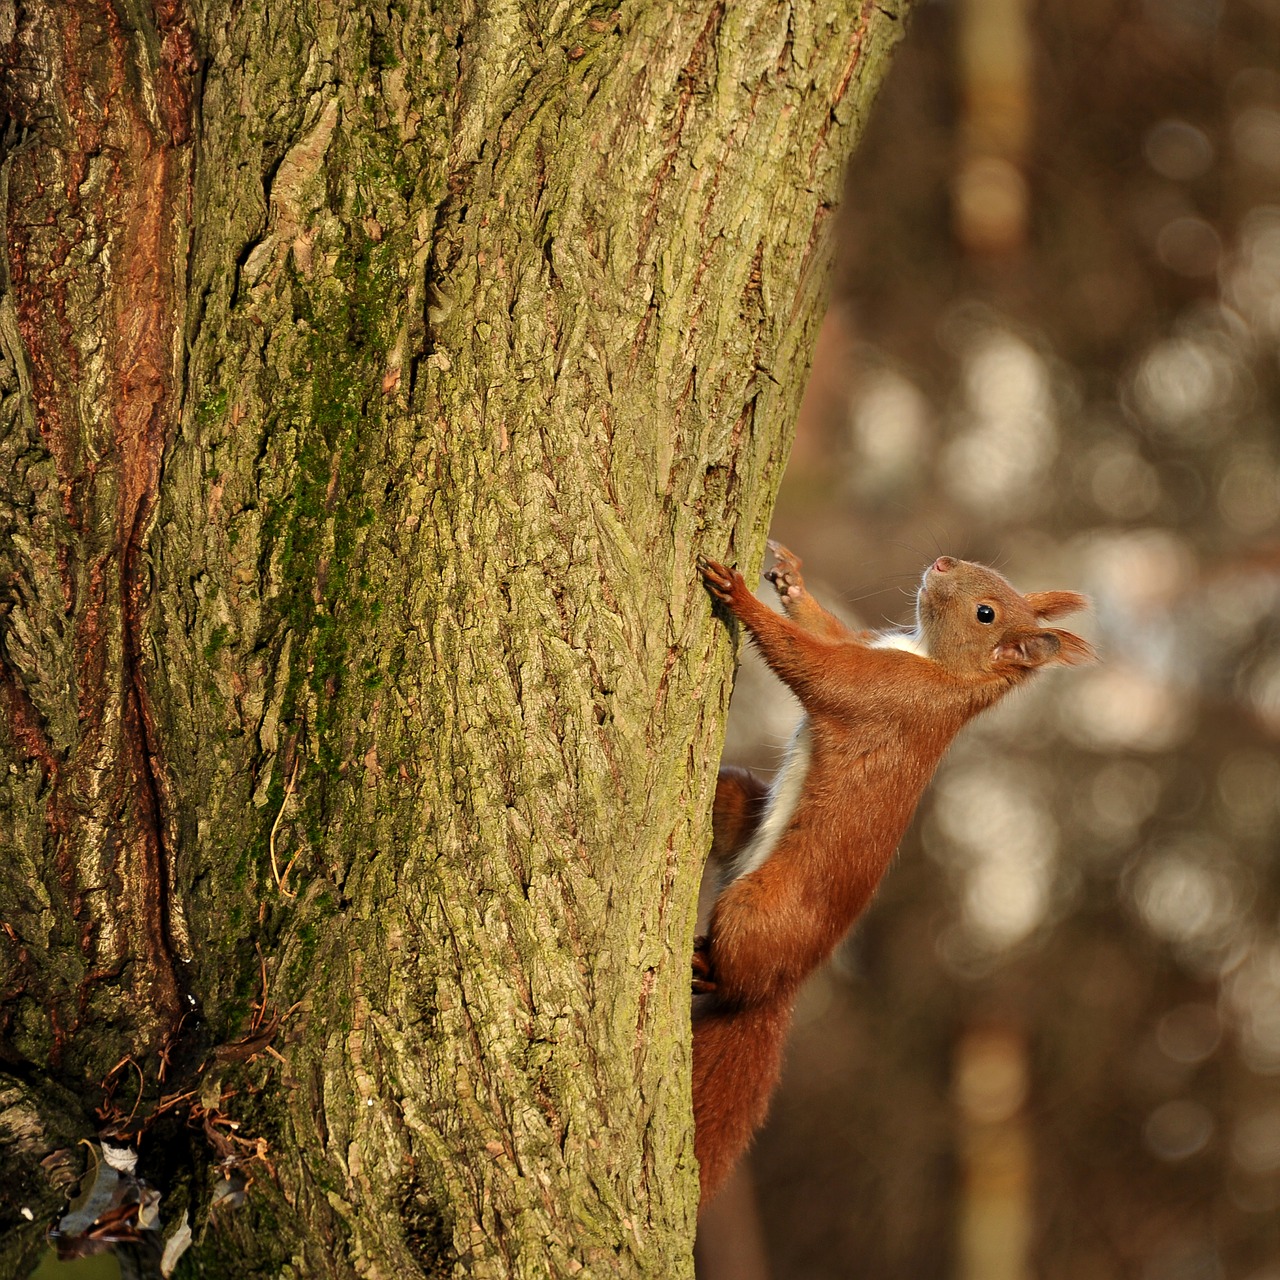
(785, 573)
(725, 584)
(703, 973)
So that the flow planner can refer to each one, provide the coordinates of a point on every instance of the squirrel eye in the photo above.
(986, 613)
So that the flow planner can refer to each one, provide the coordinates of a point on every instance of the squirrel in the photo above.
(801, 859)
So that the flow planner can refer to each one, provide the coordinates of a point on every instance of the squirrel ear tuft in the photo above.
(1042, 647)
(1054, 604)
(1073, 651)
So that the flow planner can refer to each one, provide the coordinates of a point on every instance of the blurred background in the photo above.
(1052, 1047)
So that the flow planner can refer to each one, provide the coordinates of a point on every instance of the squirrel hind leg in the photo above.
(739, 806)
(704, 978)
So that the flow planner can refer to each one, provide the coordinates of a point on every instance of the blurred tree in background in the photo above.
(1053, 1047)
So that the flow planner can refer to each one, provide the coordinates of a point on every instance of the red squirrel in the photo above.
(801, 859)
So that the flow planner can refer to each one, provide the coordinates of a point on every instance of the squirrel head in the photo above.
(974, 623)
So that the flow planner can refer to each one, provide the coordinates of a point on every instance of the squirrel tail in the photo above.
(737, 1058)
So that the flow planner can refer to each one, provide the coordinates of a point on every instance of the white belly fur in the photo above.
(784, 795)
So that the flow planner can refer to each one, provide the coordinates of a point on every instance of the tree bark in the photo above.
(371, 379)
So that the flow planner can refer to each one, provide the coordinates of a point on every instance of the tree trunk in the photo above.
(371, 379)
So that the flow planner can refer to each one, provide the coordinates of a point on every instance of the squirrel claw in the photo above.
(721, 582)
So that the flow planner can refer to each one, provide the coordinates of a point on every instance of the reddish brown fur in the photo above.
(879, 720)
(739, 806)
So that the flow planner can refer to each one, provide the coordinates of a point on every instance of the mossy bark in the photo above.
(371, 379)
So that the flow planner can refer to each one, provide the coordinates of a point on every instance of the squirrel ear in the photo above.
(1042, 647)
(1073, 651)
(1053, 604)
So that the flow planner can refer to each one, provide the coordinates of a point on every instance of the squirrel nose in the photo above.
(944, 563)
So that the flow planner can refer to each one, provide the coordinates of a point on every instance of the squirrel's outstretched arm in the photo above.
(800, 606)
(833, 677)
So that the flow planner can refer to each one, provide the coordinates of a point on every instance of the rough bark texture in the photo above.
(371, 379)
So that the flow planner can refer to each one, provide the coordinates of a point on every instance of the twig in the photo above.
(260, 1009)
(287, 869)
(275, 826)
(142, 1084)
